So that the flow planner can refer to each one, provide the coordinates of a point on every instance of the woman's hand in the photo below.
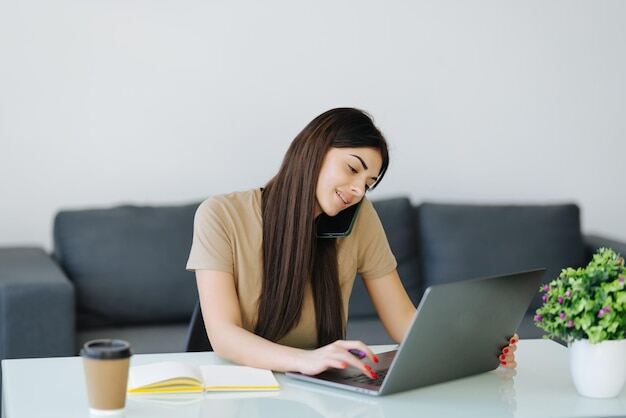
(336, 355)
(507, 357)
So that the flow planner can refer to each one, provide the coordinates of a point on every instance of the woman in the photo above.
(275, 296)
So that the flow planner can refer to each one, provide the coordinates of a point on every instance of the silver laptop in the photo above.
(458, 330)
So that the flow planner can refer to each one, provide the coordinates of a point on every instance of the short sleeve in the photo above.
(375, 258)
(211, 247)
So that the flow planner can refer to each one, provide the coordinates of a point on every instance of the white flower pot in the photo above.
(598, 370)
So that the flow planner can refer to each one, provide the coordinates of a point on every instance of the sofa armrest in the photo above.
(36, 305)
(594, 242)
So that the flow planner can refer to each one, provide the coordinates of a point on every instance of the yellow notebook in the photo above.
(173, 377)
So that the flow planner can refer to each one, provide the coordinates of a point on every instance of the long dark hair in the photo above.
(292, 255)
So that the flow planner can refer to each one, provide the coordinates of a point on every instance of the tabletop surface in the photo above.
(540, 387)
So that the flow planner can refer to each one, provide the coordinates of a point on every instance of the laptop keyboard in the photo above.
(361, 378)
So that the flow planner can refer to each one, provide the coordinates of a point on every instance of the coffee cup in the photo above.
(106, 364)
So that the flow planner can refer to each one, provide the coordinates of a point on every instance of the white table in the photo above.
(541, 387)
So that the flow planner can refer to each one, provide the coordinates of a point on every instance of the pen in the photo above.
(357, 353)
(361, 355)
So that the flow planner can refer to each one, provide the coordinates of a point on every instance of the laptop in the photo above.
(458, 330)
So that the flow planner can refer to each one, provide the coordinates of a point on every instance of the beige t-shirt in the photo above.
(228, 235)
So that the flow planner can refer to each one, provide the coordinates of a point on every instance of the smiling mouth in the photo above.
(344, 202)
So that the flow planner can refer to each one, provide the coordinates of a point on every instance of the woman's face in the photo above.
(345, 176)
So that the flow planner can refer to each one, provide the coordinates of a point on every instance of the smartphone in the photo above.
(339, 225)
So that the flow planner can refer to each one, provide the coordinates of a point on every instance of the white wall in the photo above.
(105, 102)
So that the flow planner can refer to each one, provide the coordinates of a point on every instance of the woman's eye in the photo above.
(352, 169)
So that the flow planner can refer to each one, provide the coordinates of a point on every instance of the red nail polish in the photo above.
(375, 359)
(503, 363)
(506, 350)
(374, 375)
(502, 357)
(513, 340)
(368, 368)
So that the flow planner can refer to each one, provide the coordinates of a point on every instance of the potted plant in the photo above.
(586, 307)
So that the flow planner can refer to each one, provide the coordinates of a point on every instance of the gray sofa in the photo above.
(120, 272)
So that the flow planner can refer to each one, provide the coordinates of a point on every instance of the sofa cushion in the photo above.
(459, 242)
(396, 215)
(128, 263)
(143, 339)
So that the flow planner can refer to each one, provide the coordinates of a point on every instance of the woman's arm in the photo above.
(222, 318)
(392, 303)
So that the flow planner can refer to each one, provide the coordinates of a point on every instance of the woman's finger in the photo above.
(509, 349)
(338, 364)
(351, 360)
(508, 364)
(507, 357)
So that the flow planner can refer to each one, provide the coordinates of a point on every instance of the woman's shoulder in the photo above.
(367, 221)
(234, 202)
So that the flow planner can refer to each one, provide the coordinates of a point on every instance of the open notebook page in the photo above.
(151, 374)
(222, 377)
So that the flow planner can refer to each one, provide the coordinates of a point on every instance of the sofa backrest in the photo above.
(128, 263)
(459, 242)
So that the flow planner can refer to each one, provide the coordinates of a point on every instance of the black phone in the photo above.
(339, 225)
